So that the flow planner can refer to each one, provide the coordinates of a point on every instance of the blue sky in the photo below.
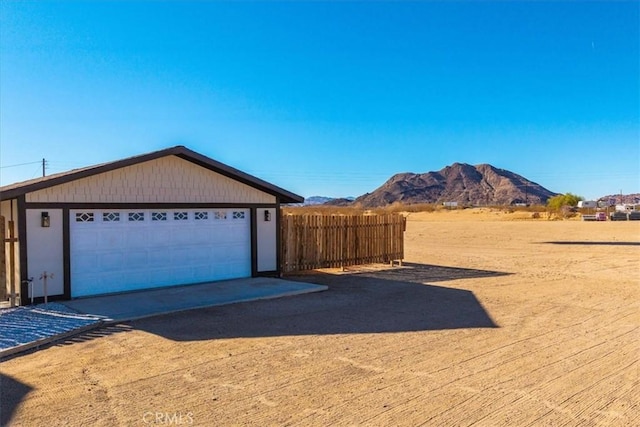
(327, 98)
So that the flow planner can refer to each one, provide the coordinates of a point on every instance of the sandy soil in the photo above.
(493, 320)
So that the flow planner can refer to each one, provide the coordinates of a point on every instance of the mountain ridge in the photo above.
(465, 184)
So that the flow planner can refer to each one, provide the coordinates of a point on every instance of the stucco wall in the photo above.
(166, 180)
(45, 251)
(267, 248)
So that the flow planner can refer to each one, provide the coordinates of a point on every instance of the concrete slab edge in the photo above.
(317, 288)
(12, 351)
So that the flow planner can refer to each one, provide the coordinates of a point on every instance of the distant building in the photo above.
(587, 204)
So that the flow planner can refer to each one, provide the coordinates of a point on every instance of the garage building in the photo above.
(167, 218)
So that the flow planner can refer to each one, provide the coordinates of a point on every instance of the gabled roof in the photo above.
(12, 191)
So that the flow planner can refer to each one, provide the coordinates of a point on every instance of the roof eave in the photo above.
(282, 195)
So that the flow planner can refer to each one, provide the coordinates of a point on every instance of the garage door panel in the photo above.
(198, 256)
(161, 237)
(182, 274)
(136, 280)
(137, 260)
(235, 269)
(136, 237)
(219, 252)
(197, 238)
(112, 254)
(202, 236)
(110, 237)
(110, 261)
(235, 253)
(114, 281)
(223, 271)
(201, 272)
(88, 260)
(157, 258)
(94, 281)
(181, 256)
(180, 235)
(86, 240)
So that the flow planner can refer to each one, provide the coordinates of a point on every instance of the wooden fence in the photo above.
(322, 241)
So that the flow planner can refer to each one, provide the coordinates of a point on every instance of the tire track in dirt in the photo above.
(95, 387)
(531, 390)
(560, 342)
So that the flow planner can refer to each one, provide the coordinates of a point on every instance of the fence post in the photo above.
(3, 262)
(12, 263)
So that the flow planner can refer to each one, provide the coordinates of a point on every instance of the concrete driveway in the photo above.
(137, 305)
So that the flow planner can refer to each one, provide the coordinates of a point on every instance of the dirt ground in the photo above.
(494, 320)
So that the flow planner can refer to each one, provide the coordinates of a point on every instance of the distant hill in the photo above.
(316, 200)
(462, 183)
(321, 200)
(620, 199)
(348, 201)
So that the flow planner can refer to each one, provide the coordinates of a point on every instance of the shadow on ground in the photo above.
(357, 302)
(594, 243)
(12, 393)
(90, 335)
(93, 334)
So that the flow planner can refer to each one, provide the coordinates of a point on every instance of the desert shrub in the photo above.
(556, 203)
(529, 208)
(564, 205)
(359, 210)
(415, 207)
(398, 207)
(323, 210)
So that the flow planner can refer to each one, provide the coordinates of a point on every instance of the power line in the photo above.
(20, 164)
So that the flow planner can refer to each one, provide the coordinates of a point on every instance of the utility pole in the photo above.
(44, 164)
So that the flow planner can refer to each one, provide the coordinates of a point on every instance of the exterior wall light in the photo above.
(267, 215)
(45, 219)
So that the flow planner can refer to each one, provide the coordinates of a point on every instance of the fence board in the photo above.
(319, 241)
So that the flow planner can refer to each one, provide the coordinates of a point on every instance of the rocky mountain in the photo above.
(620, 199)
(462, 183)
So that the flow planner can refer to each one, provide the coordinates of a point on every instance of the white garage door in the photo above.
(125, 250)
